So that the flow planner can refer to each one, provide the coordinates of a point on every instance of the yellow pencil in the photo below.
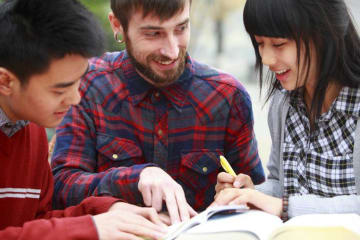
(226, 166)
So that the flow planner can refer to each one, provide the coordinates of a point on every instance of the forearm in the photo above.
(90, 205)
(306, 204)
(271, 187)
(73, 185)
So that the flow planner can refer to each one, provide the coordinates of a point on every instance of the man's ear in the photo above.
(115, 24)
(7, 81)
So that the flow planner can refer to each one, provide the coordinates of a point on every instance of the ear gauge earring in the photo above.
(116, 38)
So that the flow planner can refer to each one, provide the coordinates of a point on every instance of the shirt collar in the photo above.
(348, 102)
(139, 88)
(3, 118)
(8, 127)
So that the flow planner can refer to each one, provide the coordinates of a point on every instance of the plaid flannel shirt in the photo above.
(124, 124)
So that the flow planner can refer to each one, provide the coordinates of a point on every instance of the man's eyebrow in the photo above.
(68, 84)
(150, 27)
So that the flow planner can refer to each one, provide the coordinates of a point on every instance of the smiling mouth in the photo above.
(167, 62)
(281, 72)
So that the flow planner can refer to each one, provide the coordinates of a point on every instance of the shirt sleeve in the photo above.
(274, 185)
(241, 145)
(75, 163)
(307, 204)
(54, 228)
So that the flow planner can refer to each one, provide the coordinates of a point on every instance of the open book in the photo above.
(238, 222)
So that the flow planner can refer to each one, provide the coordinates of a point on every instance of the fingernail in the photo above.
(237, 184)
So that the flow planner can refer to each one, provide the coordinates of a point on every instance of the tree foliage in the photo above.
(101, 9)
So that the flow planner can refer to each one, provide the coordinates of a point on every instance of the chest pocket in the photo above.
(199, 168)
(117, 152)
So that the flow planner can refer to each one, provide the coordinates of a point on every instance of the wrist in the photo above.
(285, 206)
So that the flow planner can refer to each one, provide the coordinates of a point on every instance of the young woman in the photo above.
(312, 50)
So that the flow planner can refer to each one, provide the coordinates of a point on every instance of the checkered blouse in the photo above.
(321, 162)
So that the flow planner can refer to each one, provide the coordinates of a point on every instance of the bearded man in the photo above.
(152, 121)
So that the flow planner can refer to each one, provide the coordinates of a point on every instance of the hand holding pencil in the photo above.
(230, 179)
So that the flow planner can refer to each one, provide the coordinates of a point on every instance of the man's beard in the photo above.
(168, 76)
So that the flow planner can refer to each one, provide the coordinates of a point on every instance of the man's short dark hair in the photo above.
(35, 32)
(164, 9)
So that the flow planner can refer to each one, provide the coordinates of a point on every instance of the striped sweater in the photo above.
(26, 188)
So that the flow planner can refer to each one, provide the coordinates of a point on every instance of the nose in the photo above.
(73, 98)
(267, 56)
(170, 47)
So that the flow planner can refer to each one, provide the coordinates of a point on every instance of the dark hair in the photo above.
(164, 9)
(34, 32)
(325, 23)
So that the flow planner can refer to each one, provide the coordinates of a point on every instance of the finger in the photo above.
(182, 204)
(224, 177)
(243, 180)
(241, 200)
(126, 236)
(227, 195)
(153, 216)
(219, 187)
(146, 194)
(172, 207)
(192, 211)
(157, 198)
(165, 218)
(139, 220)
(141, 229)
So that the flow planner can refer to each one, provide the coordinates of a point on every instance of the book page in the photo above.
(204, 216)
(320, 226)
(310, 232)
(258, 222)
(349, 221)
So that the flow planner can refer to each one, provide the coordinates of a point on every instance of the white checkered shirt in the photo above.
(321, 162)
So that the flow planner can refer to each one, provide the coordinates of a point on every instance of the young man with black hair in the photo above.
(44, 51)
(152, 121)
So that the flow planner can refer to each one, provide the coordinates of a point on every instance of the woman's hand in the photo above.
(249, 197)
(225, 180)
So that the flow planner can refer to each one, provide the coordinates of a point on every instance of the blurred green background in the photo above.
(101, 8)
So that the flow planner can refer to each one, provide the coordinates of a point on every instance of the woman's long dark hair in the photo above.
(325, 23)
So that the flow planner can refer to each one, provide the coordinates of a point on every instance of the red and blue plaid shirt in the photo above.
(124, 124)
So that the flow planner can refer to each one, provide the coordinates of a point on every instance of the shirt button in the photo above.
(160, 132)
(115, 156)
(205, 169)
(157, 94)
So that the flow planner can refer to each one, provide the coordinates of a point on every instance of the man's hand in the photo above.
(125, 221)
(249, 197)
(147, 212)
(157, 186)
(225, 180)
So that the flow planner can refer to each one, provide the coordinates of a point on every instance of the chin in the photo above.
(50, 124)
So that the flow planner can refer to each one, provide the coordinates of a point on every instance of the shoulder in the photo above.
(36, 136)
(210, 79)
(103, 76)
(279, 104)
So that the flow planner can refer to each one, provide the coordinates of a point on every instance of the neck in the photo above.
(6, 110)
(332, 92)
